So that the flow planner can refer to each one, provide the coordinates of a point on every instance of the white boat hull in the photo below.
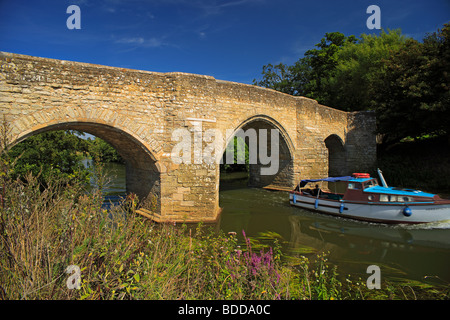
(374, 212)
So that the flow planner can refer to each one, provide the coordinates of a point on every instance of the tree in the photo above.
(359, 68)
(437, 102)
(240, 157)
(414, 99)
(308, 76)
(103, 152)
(405, 81)
(49, 155)
(284, 78)
(322, 63)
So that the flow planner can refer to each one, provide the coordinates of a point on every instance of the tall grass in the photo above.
(122, 255)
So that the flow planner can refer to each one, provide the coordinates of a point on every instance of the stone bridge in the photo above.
(138, 112)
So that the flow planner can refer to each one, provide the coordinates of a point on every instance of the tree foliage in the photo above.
(50, 155)
(405, 81)
(415, 98)
(360, 67)
(58, 155)
(103, 152)
(322, 64)
(308, 75)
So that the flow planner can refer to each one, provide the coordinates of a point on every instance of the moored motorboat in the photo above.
(362, 198)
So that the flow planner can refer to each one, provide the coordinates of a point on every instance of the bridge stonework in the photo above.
(137, 112)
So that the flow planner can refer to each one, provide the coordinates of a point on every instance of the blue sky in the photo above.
(229, 40)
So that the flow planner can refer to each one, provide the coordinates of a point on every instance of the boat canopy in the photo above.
(329, 179)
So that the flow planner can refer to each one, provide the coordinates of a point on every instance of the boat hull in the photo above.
(375, 212)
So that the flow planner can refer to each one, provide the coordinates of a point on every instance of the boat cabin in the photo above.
(361, 197)
(363, 188)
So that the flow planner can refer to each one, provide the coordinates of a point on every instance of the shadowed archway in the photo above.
(337, 160)
(142, 174)
(270, 152)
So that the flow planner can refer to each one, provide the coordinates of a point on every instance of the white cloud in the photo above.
(214, 7)
(140, 41)
(110, 9)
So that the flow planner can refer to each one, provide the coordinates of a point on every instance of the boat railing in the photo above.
(322, 194)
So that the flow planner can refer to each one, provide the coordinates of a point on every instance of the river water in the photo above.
(420, 252)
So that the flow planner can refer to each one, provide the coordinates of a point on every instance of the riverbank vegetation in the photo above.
(58, 154)
(419, 163)
(122, 255)
(404, 81)
(48, 155)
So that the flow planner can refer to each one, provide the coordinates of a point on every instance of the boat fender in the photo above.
(407, 211)
(316, 203)
(341, 208)
(293, 199)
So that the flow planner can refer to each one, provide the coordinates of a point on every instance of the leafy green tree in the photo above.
(341, 72)
(405, 81)
(359, 69)
(284, 78)
(309, 75)
(437, 98)
(49, 155)
(322, 63)
(103, 152)
(240, 157)
(414, 99)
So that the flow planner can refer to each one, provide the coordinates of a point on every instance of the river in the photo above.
(420, 252)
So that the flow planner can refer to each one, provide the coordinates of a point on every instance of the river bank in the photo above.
(123, 256)
(419, 164)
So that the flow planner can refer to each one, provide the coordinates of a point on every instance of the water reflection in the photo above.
(414, 253)
(401, 251)
(114, 184)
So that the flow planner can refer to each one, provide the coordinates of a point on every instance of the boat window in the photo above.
(370, 183)
(354, 185)
(390, 198)
(387, 198)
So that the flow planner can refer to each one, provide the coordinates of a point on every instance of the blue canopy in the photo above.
(329, 179)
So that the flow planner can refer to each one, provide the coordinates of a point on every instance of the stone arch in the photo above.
(279, 172)
(142, 166)
(337, 157)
